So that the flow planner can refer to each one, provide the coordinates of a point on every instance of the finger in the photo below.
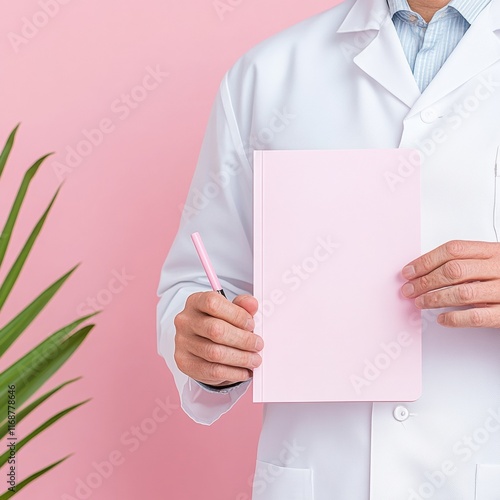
(215, 305)
(224, 333)
(451, 273)
(214, 373)
(247, 302)
(455, 249)
(222, 354)
(478, 317)
(476, 293)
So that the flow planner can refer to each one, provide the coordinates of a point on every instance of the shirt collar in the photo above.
(469, 9)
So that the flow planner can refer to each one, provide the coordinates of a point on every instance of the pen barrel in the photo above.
(221, 291)
(205, 260)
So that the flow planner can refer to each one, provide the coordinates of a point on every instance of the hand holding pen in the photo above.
(214, 342)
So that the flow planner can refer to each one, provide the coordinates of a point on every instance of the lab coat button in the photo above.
(429, 115)
(401, 413)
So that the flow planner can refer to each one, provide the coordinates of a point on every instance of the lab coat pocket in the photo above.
(273, 482)
(487, 482)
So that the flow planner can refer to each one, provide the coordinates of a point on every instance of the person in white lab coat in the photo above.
(364, 74)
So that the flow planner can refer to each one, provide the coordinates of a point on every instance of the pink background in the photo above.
(117, 214)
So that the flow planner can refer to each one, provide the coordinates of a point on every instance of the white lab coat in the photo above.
(341, 80)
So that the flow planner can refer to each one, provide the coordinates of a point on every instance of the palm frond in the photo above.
(16, 207)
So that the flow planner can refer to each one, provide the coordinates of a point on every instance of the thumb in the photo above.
(247, 302)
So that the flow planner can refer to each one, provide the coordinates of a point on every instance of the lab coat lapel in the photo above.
(383, 58)
(477, 51)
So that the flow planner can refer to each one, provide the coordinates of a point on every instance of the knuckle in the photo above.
(178, 340)
(477, 317)
(192, 299)
(466, 293)
(425, 301)
(425, 282)
(455, 248)
(216, 371)
(180, 344)
(453, 270)
(214, 353)
(432, 299)
(179, 360)
(427, 261)
(179, 321)
(215, 330)
(211, 303)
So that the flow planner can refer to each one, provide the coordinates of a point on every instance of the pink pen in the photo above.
(207, 265)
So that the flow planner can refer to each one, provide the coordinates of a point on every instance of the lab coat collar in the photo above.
(480, 47)
(365, 15)
(382, 58)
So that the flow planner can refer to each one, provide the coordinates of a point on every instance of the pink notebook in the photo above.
(332, 231)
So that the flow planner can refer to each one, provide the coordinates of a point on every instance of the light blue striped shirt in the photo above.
(428, 45)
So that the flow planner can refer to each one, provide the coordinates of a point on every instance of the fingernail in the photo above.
(250, 325)
(259, 344)
(419, 302)
(408, 272)
(256, 360)
(407, 289)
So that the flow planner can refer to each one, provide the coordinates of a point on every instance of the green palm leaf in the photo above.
(52, 420)
(16, 207)
(31, 371)
(12, 275)
(24, 482)
(29, 408)
(38, 365)
(11, 331)
(6, 150)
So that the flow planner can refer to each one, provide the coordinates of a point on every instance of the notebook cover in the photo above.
(332, 231)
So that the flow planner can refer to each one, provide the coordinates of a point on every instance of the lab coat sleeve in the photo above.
(219, 206)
